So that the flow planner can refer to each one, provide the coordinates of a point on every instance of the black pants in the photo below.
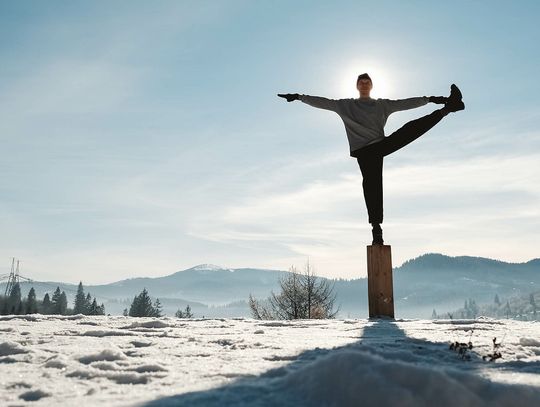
(370, 160)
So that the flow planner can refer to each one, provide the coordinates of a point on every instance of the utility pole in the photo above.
(13, 277)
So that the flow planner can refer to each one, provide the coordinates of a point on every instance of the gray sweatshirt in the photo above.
(364, 119)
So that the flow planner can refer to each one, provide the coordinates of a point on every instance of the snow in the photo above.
(33, 395)
(206, 267)
(124, 361)
(529, 342)
(148, 324)
(11, 348)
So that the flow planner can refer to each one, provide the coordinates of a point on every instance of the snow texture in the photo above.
(11, 348)
(123, 361)
(207, 267)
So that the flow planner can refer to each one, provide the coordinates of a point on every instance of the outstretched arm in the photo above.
(404, 104)
(315, 101)
(411, 103)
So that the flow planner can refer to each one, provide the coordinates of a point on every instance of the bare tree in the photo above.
(303, 296)
(261, 309)
(320, 295)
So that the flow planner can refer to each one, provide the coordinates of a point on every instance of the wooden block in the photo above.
(380, 287)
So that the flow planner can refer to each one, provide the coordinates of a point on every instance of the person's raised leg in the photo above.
(416, 128)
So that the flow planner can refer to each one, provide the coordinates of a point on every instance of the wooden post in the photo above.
(380, 288)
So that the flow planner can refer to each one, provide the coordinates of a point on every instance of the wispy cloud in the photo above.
(434, 204)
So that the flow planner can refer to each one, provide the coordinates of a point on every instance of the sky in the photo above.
(143, 138)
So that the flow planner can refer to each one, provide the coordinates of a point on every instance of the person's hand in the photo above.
(289, 96)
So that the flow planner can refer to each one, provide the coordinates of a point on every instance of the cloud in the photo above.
(435, 206)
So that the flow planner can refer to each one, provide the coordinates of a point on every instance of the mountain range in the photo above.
(428, 282)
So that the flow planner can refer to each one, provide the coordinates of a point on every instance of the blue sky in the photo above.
(142, 138)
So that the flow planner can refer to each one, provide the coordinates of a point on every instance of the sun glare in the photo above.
(382, 81)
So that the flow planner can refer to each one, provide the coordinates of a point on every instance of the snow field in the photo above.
(86, 360)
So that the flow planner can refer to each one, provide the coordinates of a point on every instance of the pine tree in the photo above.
(508, 310)
(134, 307)
(20, 309)
(87, 303)
(3, 305)
(94, 308)
(141, 305)
(14, 299)
(184, 314)
(55, 301)
(62, 304)
(79, 306)
(31, 302)
(497, 300)
(157, 309)
(125, 313)
(46, 305)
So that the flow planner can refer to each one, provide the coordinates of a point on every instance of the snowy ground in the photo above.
(122, 361)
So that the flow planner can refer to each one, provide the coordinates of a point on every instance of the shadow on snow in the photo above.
(384, 367)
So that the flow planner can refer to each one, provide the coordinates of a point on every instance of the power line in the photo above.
(14, 277)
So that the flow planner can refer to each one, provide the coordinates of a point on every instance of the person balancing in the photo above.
(364, 120)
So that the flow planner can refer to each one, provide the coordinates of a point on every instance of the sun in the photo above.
(383, 86)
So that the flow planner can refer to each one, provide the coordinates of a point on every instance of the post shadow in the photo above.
(406, 364)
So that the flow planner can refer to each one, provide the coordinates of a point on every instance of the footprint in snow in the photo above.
(109, 355)
(141, 344)
(33, 395)
(156, 324)
(11, 348)
(150, 368)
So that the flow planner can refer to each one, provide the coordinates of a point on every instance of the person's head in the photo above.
(364, 85)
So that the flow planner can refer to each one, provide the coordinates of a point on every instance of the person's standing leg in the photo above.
(371, 166)
(370, 160)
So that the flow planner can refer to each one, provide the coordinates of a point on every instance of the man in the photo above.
(364, 120)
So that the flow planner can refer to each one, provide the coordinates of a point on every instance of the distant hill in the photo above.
(431, 281)
(445, 282)
(465, 264)
(520, 307)
(205, 283)
(210, 290)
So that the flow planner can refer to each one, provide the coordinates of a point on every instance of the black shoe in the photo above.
(377, 234)
(454, 105)
(454, 102)
(455, 93)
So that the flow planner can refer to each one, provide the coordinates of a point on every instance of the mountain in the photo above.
(431, 281)
(465, 264)
(445, 282)
(523, 307)
(209, 290)
(210, 284)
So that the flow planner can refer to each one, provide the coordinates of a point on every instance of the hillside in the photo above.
(420, 285)
(445, 282)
